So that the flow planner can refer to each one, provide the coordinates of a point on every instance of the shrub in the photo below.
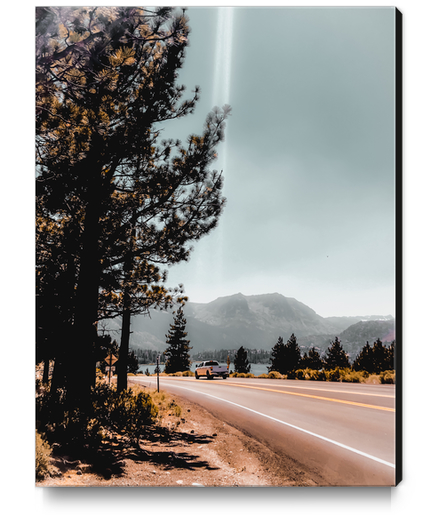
(263, 376)
(333, 375)
(300, 374)
(350, 376)
(321, 375)
(387, 377)
(188, 373)
(274, 375)
(353, 376)
(43, 455)
(127, 412)
(373, 379)
(310, 374)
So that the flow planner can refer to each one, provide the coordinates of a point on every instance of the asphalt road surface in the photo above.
(338, 433)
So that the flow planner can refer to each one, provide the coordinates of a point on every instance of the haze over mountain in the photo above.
(256, 322)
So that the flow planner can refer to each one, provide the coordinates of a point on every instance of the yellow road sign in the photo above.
(111, 360)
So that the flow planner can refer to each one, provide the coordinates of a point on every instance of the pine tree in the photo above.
(132, 363)
(364, 360)
(278, 357)
(379, 353)
(106, 78)
(241, 364)
(336, 356)
(177, 354)
(311, 360)
(391, 356)
(293, 354)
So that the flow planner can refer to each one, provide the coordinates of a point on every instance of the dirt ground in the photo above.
(197, 450)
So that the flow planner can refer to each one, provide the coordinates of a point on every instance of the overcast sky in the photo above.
(308, 158)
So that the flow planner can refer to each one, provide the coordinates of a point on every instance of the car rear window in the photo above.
(212, 364)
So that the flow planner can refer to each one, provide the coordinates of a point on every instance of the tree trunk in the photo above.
(45, 376)
(124, 347)
(125, 325)
(80, 356)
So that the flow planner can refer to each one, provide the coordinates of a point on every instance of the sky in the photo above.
(308, 158)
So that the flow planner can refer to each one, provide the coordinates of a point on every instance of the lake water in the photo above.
(256, 368)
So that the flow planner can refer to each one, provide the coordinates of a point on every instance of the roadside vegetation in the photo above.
(374, 364)
(117, 421)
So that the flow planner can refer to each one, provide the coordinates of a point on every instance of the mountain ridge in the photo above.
(255, 322)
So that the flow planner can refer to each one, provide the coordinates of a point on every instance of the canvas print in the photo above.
(217, 243)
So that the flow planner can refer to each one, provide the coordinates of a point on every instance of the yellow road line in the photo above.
(330, 399)
(329, 390)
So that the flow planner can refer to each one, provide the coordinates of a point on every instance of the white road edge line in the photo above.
(338, 444)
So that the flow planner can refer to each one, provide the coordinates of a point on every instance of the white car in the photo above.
(210, 369)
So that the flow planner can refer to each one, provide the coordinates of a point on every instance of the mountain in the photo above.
(254, 321)
(367, 331)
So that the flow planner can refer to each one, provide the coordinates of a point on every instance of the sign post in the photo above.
(158, 361)
(110, 360)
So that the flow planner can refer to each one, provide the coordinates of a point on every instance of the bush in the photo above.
(387, 377)
(320, 375)
(353, 376)
(274, 375)
(43, 455)
(300, 374)
(127, 413)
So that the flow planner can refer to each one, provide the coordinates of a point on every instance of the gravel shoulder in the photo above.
(194, 450)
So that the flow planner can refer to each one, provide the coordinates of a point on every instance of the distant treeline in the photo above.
(288, 356)
(253, 355)
(146, 356)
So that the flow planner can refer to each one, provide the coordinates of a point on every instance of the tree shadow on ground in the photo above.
(107, 459)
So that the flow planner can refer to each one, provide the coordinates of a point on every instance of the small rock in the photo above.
(79, 472)
(214, 434)
(192, 431)
(196, 484)
(179, 482)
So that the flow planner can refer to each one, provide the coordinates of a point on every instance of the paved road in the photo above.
(338, 433)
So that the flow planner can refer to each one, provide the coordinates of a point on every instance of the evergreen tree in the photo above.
(391, 356)
(364, 360)
(106, 77)
(336, 356)
(278, 357)
(132, 363)
(311, 360)
(380, 357)
(177, 354)
(293, 354)
(241, 364)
